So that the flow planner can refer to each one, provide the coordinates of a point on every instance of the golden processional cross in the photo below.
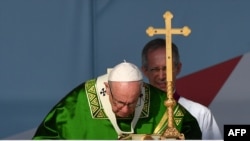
(171, 131)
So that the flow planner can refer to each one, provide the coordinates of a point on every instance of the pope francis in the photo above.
(116, 105)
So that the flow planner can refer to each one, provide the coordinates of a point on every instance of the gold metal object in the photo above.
(168, 31)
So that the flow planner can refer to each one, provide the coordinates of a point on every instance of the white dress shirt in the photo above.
(205, 118)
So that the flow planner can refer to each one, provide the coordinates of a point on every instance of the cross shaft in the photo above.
(170, 102)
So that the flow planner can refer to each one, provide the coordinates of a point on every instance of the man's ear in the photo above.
(178, 68)
(144, 70)
(106, 85)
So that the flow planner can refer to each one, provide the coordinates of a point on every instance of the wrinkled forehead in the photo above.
(126, 87)
(157, 58)
(125, 84)
(126, 90)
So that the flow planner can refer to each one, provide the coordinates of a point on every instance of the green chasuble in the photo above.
(80, 115)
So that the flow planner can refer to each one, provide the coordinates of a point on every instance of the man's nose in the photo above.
(162, 74)
(126, 108)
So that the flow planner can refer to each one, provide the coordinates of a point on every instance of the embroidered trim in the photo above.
(145, 109)
(178, 118)
(94, 103)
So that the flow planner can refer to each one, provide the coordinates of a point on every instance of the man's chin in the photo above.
(162, 87)
(123, 116)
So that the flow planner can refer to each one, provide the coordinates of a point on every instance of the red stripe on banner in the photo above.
(203, 86)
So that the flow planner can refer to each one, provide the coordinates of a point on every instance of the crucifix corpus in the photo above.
(168, 31)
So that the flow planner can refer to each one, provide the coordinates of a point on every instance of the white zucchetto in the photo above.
(125, 72)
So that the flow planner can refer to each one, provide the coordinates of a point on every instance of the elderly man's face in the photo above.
(123, 97)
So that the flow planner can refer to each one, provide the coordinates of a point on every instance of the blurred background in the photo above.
(49, 47)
